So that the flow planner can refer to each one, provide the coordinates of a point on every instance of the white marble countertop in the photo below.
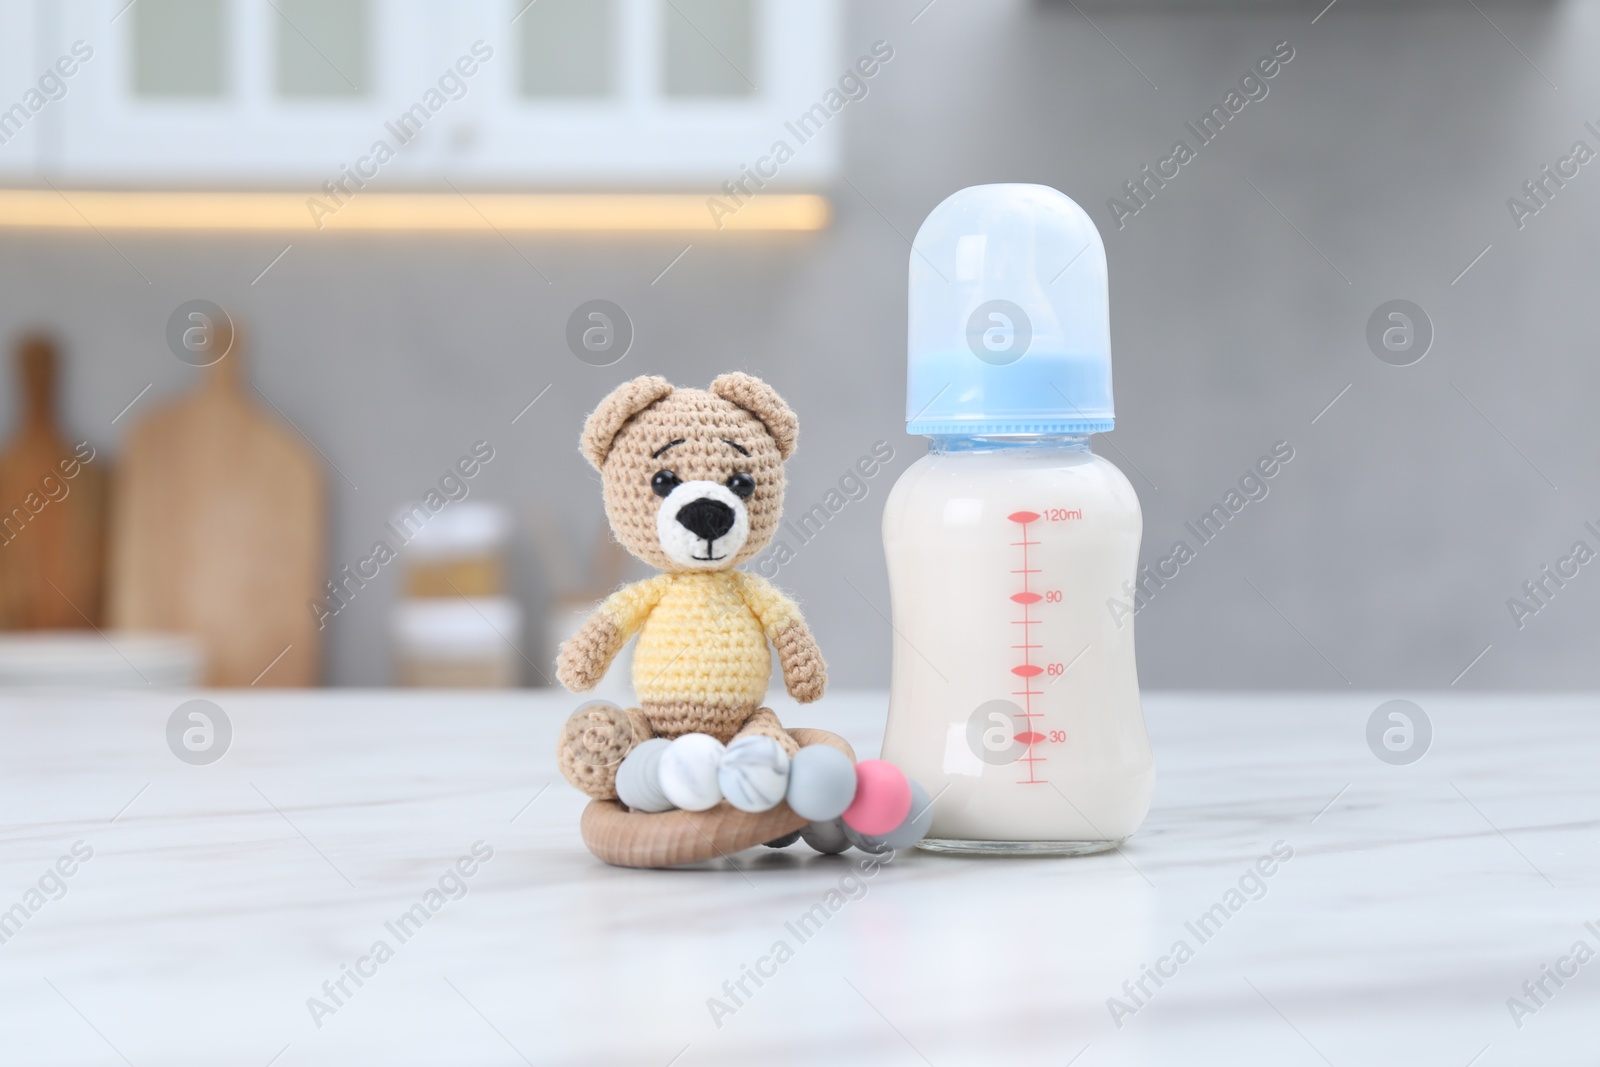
(219, 898)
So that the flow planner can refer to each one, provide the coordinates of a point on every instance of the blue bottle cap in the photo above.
(1010, 319)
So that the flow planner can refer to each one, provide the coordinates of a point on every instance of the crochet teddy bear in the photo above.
(693, 485)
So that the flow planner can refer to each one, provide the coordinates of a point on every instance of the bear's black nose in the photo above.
(706, 518)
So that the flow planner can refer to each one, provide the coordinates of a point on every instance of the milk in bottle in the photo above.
(1014, 697)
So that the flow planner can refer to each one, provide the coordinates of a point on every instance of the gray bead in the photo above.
(638, 779)
(822, 783)
(917, 821)
(785, 841)
(865, 842)
(827, 838)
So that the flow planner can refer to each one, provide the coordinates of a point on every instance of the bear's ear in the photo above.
(762, 401)
(620, 405)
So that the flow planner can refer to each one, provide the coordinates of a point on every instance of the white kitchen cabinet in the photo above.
(289, 94)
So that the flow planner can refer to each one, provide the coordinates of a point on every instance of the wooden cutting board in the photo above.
(217, 530)
(52, 510)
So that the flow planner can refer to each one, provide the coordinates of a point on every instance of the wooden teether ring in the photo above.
(626, 838)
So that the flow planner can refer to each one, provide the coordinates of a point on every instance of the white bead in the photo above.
(688, 772)
(822, 783)
(754, 773)
(639, 777)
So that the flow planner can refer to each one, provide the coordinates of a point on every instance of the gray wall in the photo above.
(1386, 550)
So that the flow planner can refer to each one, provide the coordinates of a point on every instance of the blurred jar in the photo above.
(454, 627)
(458, 643)
(460, 552)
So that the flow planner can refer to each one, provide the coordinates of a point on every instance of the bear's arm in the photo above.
(587, 655)
(805, 675)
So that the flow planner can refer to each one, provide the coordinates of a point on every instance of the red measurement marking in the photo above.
(1026, 598)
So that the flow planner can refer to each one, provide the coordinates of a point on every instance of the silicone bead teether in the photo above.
(915, 826)
(639, 777)
(754, 773)
(822, 783)
(883, 797)
(689, 772)
(827, 838)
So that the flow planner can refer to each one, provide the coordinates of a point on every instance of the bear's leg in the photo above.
(763, 722)
(593, 743)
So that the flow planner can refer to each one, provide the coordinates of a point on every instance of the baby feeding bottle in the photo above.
(1011, 545)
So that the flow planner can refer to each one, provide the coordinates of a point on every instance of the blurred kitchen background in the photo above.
(196, 145)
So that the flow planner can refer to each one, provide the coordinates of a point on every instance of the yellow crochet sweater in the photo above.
(702, 636)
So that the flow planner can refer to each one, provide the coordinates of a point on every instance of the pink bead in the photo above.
(883, 798)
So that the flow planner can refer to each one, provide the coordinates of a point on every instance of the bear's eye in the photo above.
(742, 485)
(664, 482)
